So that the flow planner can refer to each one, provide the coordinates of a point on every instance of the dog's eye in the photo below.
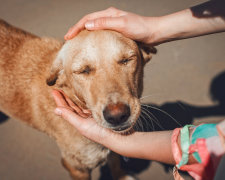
(87, 70)
(124, 61)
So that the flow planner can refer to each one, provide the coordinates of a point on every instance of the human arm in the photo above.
(199, 20)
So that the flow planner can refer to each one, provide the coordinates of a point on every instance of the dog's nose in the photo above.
(116, 114)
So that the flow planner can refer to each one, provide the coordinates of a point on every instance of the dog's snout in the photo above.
(116, 114)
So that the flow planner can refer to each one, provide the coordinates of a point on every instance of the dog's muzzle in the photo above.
(117, 115)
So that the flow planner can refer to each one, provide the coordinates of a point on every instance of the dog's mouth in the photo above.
(121, 128)
(125, 130)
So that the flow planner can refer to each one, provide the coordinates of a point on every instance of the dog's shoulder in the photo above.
(17, 44)
(7, 30)
(12, 38)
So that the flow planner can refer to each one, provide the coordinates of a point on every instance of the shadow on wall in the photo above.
(3, 117)
(170, 116)
(213, 8)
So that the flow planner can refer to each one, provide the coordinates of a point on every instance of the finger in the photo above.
(59, 99)
(80, 111)
(71, 103)
(63, 101)
(76, 108)
(112, 23)
(110, 12)
(70, 116)
(87, 127)
(86, 111)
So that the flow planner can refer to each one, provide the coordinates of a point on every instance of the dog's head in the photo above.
(102, 71)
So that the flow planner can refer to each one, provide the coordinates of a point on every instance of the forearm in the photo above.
(152, 145)
(200, 20)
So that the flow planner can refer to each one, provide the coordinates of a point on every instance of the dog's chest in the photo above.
(93, 154)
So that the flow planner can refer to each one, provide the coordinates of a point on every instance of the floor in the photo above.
(184, 77)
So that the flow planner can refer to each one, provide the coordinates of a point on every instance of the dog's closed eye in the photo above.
(86, 70)
(124, 61)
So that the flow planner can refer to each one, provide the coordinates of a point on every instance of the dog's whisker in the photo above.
(150, 95)
(144, 122)
(147, 124)
(153, 118)
(141, 119)
(182, 106)
(147, 111)
(138, 125)
(150, 118)
(147, 119)
(164, 112)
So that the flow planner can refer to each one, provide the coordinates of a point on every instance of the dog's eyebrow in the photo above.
(133, 55)
(129, 55)
(77, 65)
(132, 52)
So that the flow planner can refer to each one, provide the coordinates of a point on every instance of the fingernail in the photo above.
(68, 34)
(89, 24)
(58, 112)
(66, 37)
(69, 31)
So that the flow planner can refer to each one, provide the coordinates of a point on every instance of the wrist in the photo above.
(163, 30)
(160, 30)
(171, 27)
(154, 34)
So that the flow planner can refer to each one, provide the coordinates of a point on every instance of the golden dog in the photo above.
(100, 70)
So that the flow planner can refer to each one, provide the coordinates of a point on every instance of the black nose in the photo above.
(116, 114)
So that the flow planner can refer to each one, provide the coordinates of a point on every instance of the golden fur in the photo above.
(26, 61)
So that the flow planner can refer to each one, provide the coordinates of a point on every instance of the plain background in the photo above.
(181, 71)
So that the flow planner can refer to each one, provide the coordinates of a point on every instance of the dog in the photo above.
(98, 70)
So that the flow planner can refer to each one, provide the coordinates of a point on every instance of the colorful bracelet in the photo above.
(185, 143)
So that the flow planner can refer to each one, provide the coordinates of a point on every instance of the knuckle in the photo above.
(123, 22)
(100, 22)
(112, 9)
(86, 17)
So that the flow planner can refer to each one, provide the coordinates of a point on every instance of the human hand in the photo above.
(136, 27)
(81, 119)
(87, 126)
(138, 144)
(63, 101)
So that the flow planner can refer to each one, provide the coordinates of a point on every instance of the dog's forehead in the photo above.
(102, 44)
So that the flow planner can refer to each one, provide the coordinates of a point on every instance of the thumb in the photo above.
(86, 126)
(112, 23)
(70, 116)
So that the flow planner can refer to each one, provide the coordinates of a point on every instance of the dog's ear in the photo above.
(56, 69)
(146, 51)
